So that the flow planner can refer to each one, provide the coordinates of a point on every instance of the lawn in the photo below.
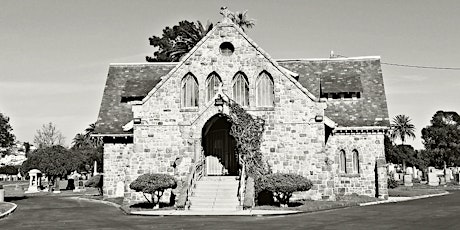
(417, 190)
(316, 205)
(5, 207)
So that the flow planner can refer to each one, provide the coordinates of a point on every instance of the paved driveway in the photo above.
(62, 213)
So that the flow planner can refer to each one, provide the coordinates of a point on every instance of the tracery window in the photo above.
(343, 162)
(212, 85)
(241, 89)
(355, 161)
(189, 91)
(264, 90)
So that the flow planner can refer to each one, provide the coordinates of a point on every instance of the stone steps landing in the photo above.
(215, 193)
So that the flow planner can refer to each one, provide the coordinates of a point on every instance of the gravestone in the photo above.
(431, 169)
(408, 180)
(442, 180)
(396, 176)
(433, 179)
(448, 175)
(391, 169)
(35, 176)
(409, 171)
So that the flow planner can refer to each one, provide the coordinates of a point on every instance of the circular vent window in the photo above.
(226, 48)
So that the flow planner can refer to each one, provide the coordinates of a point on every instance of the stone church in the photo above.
(325, 119)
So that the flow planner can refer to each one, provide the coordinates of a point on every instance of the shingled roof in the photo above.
(346, 75)
(126, 82)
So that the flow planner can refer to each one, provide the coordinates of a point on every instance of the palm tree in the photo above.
(79, 141)
(402, 128)
(242, 20)
(93, 141)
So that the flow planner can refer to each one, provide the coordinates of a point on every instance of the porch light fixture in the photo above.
(319, 118)
(136, 121)
(219, 102)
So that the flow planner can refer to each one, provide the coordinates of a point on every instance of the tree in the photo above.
(6, 136)
(153, 184)
(402, 128)
(89, 148)
(242, 20)
(442, 139)
(9, 170)
(48, 136)
(55, 161)
(177, 41)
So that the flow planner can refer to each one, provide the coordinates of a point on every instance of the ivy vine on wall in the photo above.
(247, 131)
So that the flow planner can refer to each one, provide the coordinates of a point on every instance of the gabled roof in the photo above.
(369, 110)
(125, 82)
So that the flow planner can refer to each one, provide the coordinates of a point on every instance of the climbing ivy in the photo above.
(247, 131)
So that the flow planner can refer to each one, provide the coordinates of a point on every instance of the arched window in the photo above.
(264, 87)
(355, 161)
(189, 91)
(343, 162)
(241, 89)
(212, 85)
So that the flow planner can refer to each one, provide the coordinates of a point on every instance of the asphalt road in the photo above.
(45, 212)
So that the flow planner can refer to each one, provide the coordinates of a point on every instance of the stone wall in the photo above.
(115, 163)
(371, 153)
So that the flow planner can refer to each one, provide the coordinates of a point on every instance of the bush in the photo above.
(248, 201)
(95, 182)
(153, 184)
(9, 170)
(282, 185)
(392, 183)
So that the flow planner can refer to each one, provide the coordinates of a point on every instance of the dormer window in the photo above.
(341, 87)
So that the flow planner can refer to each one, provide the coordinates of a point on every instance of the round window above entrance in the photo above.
(226, 48)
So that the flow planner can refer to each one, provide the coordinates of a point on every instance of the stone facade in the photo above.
(167, 138)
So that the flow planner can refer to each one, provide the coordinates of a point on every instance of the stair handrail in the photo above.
(194, 176)
(242, 184)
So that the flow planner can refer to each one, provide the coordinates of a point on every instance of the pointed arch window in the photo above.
(212, 85)
(241, 89)
(264, 90)
(343, 162)
(355, 161)
(189, 91)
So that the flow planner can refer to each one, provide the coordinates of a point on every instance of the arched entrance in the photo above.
(219, 147)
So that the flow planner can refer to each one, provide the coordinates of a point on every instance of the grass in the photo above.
(5, 207)
(418, 190)
(311, 205)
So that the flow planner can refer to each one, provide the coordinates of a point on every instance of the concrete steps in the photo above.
(215, 193)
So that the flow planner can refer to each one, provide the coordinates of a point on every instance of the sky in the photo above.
(54, 55)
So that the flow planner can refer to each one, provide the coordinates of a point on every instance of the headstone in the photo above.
(431, 169)
(34, 181)
(448, 175)
(409, 171)
(456, 178)
(391, 169)
(76, 177)
(420, 174)
(396, 176)
(408, 180)
(442, 180)
(433, 179)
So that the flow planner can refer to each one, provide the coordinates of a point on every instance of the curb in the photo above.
(404, 199)
(11, 210)
(94, 200)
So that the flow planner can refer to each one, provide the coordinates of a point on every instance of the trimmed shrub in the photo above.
(248, 201)
(282, 185)
(153, 184)
(95, 182)
(392, 183)
(9, 170)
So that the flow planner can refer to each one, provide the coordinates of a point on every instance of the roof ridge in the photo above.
(143, 63)
(328, 59)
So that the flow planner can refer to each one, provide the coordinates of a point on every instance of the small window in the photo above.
(241, 89)
(355, 161)
(212, 85)
(265, 94)
(226, 48)
(189, 91)
(343, 162)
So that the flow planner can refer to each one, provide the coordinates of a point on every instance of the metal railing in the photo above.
(194, 176)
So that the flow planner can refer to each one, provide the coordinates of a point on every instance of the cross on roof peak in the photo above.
(226, 13)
